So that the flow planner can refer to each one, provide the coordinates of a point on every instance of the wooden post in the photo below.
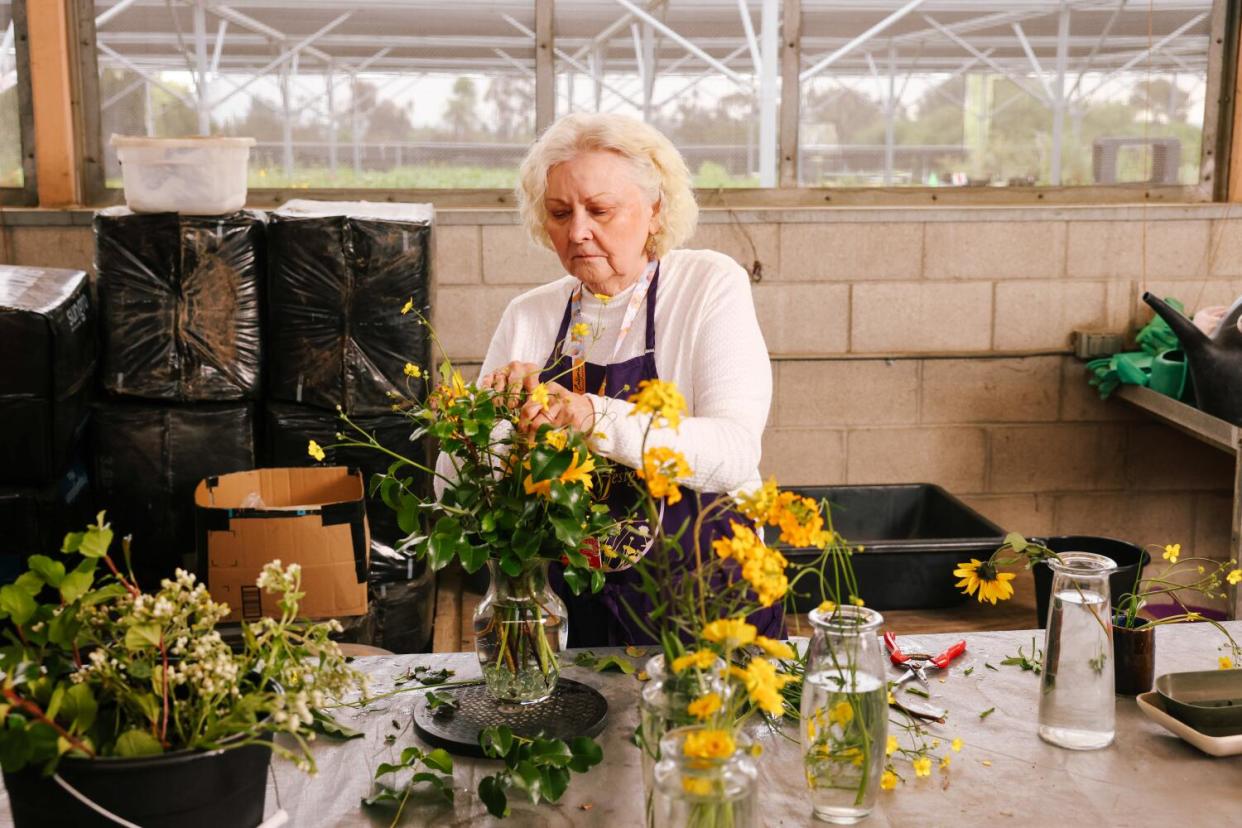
(52, 92)
(791, 91)
(1235, 149)
(545, 67)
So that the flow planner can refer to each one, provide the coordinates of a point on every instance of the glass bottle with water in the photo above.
(844, 723)
(1076, 704)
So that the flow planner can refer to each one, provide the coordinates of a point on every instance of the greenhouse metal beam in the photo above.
(286, 56)
(568, 58)
(1155, 47)
(145, 73)
(1017, 79)
(1058, 96)
(103, 17)
(748, 28)
(670, 33)
(860, 40)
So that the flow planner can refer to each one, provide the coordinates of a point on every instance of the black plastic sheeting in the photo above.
(288, 428)
(402, 593)
(48, 343)
(35, 519)
(340, 275)
(180, 304)
(149, 458)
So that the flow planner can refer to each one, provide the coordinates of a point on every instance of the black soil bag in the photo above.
(341, 273)
(149, 458)
(47, 349)
(180, 304)
(35, 519)
(289, 428)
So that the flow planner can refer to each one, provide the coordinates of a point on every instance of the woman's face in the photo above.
(599, 219)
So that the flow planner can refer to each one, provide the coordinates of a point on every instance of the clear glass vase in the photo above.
(844, 725)
(703, 793)
(662, 707)
(1076, 703)
(520, 629)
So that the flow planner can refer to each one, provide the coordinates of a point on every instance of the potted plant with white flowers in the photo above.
(121, 707)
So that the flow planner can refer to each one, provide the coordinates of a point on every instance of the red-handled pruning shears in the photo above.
(917, 663)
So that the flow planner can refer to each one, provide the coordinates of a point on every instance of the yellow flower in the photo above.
(661, 400)
(856, 601)
(800, 521)
(891, 699)
(776, 649)
(315, 451)
(758, 504)
(704, 707)
(556, 439)
(956, 744)
(1172, 551)
(842, 713)
(700, 659)
(455, 390)
(1225, 663)
(944, 761)
(662, 468)
(412, 370)
(576, 473)
(581, 330)
(1234, 577)
(408, 306)
(539, 394)
(696, 785)
(763, 686)
(922, 766)
(827, 607)
(762, 567)
(983, 576)
(888, 781)
(891, 747)
(730, 632)
(708, 744)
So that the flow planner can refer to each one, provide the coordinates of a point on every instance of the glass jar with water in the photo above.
(844, 723)
(1076, 703)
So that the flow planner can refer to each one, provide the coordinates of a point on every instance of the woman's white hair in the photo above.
(659, 170)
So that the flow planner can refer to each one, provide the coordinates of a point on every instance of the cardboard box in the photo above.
(314, 516)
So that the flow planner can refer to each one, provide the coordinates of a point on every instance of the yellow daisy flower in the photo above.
(983, 577)
(774, 648)
(696, 785)
(704, 707)
(709, 744)
(700, 659)
(730, 632)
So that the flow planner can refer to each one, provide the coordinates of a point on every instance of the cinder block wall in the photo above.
(919, 345)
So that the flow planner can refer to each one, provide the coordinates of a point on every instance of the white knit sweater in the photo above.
(708, 342)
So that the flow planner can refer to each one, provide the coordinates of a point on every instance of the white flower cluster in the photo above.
(277, 578)
(292, 710)
(205, 663)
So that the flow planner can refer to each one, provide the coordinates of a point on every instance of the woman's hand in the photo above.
(565, 409)
(511, 383)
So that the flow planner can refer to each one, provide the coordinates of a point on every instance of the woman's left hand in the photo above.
(564, 409)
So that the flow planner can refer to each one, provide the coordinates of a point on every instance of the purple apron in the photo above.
(601, 619)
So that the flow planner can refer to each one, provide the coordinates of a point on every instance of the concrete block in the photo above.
(1136, 517)
(1056, 457)
(1020, 389)
(458, 257)
(921, 317)
(851, 252)
(834, 393)
(1081, 402)
(1176, 249)
(804, 319)
(465, 318)
(511, 258)
(1225, 247)
(1194, 295)
(1026, 514)
(67, 247)
(1105, 249)
(995, 250)
(1163, 459)
(744, 243)
(804, 456)
(953, 457)
(1038, 315)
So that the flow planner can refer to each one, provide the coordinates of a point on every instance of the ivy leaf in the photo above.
(493, 795)
(568, 531)
(554, 782)
(76, 584)
(547, 463)
(137, 743)
(80, 707)
(473, 557)
(550, 752)
(384, 794)
(440, 760)
(604, 663)
(568, 497)
(49, 570)
(587, 753)
(30, 582)
(386, 768)
(63, 629)
(96, 540)
(141, 636)
(16, 748)
(407, 513)
(574, 579)
(330, 727)
(496, 741)
(17, 603)
(1016, 542)
(527, 777)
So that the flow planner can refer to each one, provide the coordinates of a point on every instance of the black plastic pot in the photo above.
(912, 534)
(186, 789)
(1128, 556)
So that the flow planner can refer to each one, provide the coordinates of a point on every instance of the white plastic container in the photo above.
(198, 176)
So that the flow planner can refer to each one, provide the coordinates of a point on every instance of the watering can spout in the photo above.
(1191, 337)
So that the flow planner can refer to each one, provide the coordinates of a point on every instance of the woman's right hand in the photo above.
(511, 383)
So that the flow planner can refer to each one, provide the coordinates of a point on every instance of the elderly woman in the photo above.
(613, 198)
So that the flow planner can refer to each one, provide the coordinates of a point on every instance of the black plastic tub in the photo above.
(186, 789)
(1128, 556)
(913, 536)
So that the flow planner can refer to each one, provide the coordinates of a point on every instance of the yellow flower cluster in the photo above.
(699, 659)
(731, 633)
(709, 744)
(1172, 551)
(412, 370)
(1234, 577)
(539, 394)
(454, 390)
(662, 468)
(581, 330)
(315, 451)
(556, 439)
(774, 648)
(762, 567)
(576, 473)
(704, 707)
(763, 685)
(660, 399)
(798, 517)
